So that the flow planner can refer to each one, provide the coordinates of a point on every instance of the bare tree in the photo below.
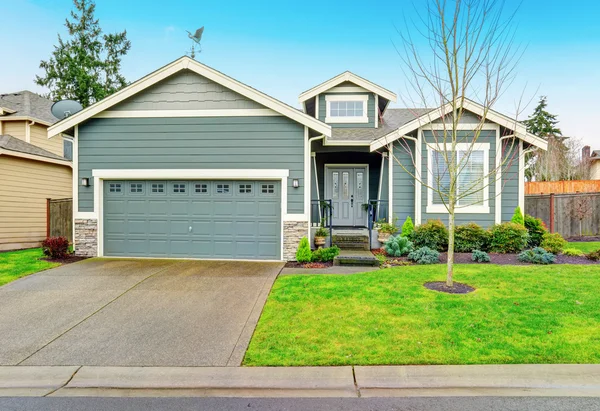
(562, 161)
(469, 51)
(581, 208)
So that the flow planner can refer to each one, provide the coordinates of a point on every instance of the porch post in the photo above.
(316, 176)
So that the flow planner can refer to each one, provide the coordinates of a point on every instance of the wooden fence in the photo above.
(59, 218)
(562, 187)
(567, 214)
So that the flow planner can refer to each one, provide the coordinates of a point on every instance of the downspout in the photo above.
(418, 180)
(28, 130)
(383, 156)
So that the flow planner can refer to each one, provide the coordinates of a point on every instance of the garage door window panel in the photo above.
(179, 188)
(202, 188)
(158, 188)
(136, 188)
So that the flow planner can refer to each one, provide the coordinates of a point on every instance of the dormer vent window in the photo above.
(346, 108)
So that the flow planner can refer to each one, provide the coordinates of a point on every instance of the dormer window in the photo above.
(344, 108)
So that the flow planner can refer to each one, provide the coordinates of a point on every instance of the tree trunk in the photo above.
(450, 263)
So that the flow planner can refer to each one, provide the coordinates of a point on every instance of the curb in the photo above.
(26, 381)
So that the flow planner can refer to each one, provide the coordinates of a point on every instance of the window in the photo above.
(201, 188)
(346, 108)
(158, 188)
(67, 149)
(267, 188)
(222, 188)
(245, 188)
(472, 185)
(135, 188)
(114, 188)
(179, 188)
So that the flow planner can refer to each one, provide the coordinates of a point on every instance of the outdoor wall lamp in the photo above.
(85, 181)
(295, 183)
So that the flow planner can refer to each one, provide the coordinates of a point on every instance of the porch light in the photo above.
(295, 183)
(85, 181)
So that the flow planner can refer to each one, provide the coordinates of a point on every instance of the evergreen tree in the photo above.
(86, 67)
(541, 122)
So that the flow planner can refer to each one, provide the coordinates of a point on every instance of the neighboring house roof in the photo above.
(595, 155)
(12, 145)
(519, 129)
(341, 78)
(25, 104)
(184, 63)
(393, 118)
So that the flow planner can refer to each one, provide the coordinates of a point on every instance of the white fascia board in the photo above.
(346, 143)
(259, 112)
(35, 157)
(341, 78)
(205, 71)
(26, 118)
(217, 174)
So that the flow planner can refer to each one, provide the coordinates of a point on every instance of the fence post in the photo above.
(551, 212)
(47, 217)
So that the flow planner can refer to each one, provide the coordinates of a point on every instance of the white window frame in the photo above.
(473, 209)
(364, 98)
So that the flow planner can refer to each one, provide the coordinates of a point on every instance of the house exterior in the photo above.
(32, 168)
(594, 162)
(188, 162)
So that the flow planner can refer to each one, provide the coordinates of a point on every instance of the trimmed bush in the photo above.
(508, 237)
(536, 229)
(553, 243)
(424, 255)
(469, 237)
(408, 227)
(304, 254)
(398, 246)
(323, 255)
(573, 252)
(537, 256)
(594, 255)
(56, 247)
(432, 234)
(480, 256)
(517, 217)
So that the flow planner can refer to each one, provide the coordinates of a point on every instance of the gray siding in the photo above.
(193, 143)
(403, 204)
(510, 178)
(187, 90)
(467, 118)
(370, 111)
(485, 220)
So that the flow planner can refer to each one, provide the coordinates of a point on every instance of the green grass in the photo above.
(525, 314)
(586, 247)
(17, 264)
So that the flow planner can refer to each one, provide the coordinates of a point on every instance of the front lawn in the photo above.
(17, 264)
(586, 247)
(525, 314)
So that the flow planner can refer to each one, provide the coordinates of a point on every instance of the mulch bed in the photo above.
(457, 288)
(583, 239)
(295, 264)
(68, 260)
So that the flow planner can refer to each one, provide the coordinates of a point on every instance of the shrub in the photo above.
(424, 255)
(536, 229)
(469, 237)
(573, 252)
(304, 254)
(408, 227)
(553, 243)
(517, 217)
(389, 228)
(323, 255)
(56, 247)
(480, 256)
(594, 255)
(537, 256)
(508, 237)
(398, 246)
(322, 232)
(432, 234)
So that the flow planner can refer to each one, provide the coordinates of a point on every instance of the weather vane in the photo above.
(196, 37)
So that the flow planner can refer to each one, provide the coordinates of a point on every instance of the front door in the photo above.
(347, 188)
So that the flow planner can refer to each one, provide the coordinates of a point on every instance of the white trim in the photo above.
(328, 142)
(364, 98)
(259, 112)
(194, 259)
(461, 126)
(376, 110)
(317, 108)
(341, 78)
(391, 183)
(498, 177)
(295, 217)
(314, 162)
(87, 215)
(418, 180)
(519, 128)
(28, 131)
(75, 182)
(307, 180)
(347, 89)
(34, 157)
(473, 209)
(26, 118)
(205, 71)
(521, 177)
(1, 128)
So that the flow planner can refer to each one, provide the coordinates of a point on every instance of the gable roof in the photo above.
(25, 104)
(595, 155)
(351, 77)
(517, 127)
(186, 63)
(12, 145)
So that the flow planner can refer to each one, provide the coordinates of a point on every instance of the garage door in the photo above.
(199, 219)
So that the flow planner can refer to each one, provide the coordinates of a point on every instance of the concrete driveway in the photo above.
(134, 312)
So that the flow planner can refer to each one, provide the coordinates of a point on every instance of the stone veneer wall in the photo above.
(293, 231)
(86, 237)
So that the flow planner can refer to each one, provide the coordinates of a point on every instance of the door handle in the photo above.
(190, 229)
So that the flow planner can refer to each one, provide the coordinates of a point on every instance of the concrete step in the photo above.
(356, 258)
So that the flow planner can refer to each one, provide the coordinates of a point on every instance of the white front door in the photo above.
(347, 187)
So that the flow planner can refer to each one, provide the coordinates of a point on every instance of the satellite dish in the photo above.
(65, 108)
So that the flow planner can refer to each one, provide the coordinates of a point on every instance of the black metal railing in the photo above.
(322, 213)
(377, 210)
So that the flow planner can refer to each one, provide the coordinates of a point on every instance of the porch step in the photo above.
(356, 258)
(351, 242)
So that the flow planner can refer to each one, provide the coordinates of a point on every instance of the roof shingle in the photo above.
(28, 104)
(14, 144)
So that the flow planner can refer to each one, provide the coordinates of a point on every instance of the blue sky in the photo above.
(284, 48)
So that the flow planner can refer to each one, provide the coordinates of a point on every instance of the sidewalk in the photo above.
(376, 381)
